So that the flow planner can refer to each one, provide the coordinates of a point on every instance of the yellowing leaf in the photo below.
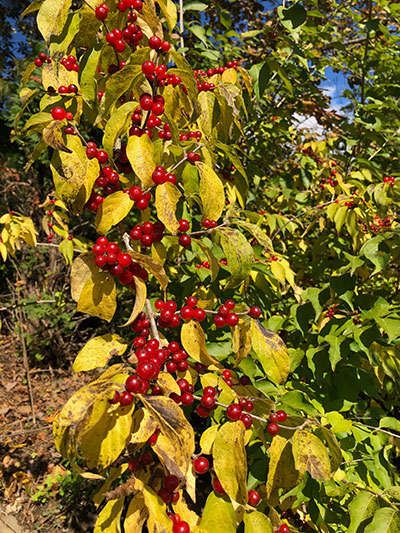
(104, 442)
(115, 208)
(167, 198)
(271, 351)
(82, 270)
(232, 474)
(112, 476)
(167, 383)
(311, 455)
(229, 76)
(143, 427)
(282, 473)
(52, 136)
(194, 342)
(211, 379)
(141, 293)
(241, 338)
(98, 296)
(239, 254)
(74, 174)
(169, 11)
(52, 17)
(211, 192)
(207, 439)
(109, 518)
(158, 521)
(140, 152)
(218, 516)
(98, 351)
(176, 454)
(117, 124)
(153, 266)
(256, 522)
(136, 515)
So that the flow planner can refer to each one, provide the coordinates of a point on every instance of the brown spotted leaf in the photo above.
(311, 455)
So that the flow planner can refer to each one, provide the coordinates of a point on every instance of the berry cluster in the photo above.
(189, 311)
(279, 416)
(140, 198)
(234, 411)
(209, 224)
(330, 314)
(226, 173)
(71, 89)
(42, 58)
(225, 315)
(184, 239)
(109, 257)
(70, 63)
(59, 113)
(147, 233)
(141, 327)
(92, 152)
(166, 492)
(118, 39)
(185, 137)
(389, 179)
(160, 175)
(204, 264)
(108, 180)
(206, 86)
(94, 202)
(192, 157)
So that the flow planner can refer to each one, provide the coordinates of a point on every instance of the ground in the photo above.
(31, 468)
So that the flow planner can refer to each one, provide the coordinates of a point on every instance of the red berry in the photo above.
(142, 204)
(58, 113)
(233, 411)
(199, 314)
(208, 402)
(171, 482)
(147, 370)
(102, 156)
(192, 157)
(232, 319)
(181, 527)
(134, 465)
(187, 398)
(273, 417)
(101, 12)
(100, 261)
(281, 416)
(186, 313)
(219, 321)
(273, 429)
(201, 465)
(226, 374)
(165, 46)
(253, 497)
(250, 406)
(133, 383)
(230, 304)
(185, 240)
(217, 486)
(148, 68)
(183, 225)
(255, 312)
(155, 42)
(126, 398)
(153, 439)
(146, 458)
(247, 420)
(202, 411)
(191, 301)
(284, 528)
(38, 62)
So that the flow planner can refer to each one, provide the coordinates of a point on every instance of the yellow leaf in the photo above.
(98, 296)
(194, 342)
(167, 198)
(52, 136)
(115, 208)
(229, 443)
(143, 427)
(278, 271)
(52, 17)
(229, 76)
(140, 152)
(104, 442)
(153, 266)
(169, 11)
(218, 516)
(227, 394)
(82, 270)
(241, 338)
(158, 521)
(207, 439)
(187, 515)
(256, 522)
(109, 518)
(141, 293)
(211, 192)
(98, 351)
(167, 383)
(74, 174)
(174, 427)
(311, 455)
(271, 351)
(136, 515)
(113, 474)
(282, 473)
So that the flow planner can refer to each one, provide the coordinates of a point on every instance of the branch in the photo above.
(153, 325)
(181, 26)
(23, 304)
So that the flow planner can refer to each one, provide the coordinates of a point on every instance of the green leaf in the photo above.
(98, 351)
(338, 422)
(238, 253)
(390, 423)
(334, 342)
(194, 6)
(293, 17)
(115, 208)
(256, 522)
(311, 455)
(87, 74)
(67, 249)
(33, 6)
(211, 192)
(372, 252)
(232, 474)
(391, 326)
(271, 351)
(256, 232)
(386, 520)
(361, 508)
(218, 515)
(261, 74)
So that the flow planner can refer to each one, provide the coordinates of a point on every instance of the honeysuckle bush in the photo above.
(248, 271)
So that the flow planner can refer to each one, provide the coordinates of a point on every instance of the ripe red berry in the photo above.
(202, 411)
(134, 465)
(101, 12)
(146, 102)
(254, 312)
(181, 527)
(281, 415)
(192, 157)
(186, 313)
(208, 402)
(155, 42)
(148, 68)
(146, 458)
(226, 374)
(146, 370)
(142, 204)
(201, 465)
(187, 397)
(199, 314)
(38, 62)
(253, 497)
(100, 261)
(233, 411)
(185, 240)
(273, 429)
(171, 482)
(126, 398)
(247, 420)
(219, 321)
(183, 225)
(133, 383)
(191, 301)
(273, 417)
(284, 528)
(102, 156)
(217, 486)
(165, 46)
(232, 319)
(58, 113)
(230, 304)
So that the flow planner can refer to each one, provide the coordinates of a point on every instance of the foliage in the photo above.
(305, 227)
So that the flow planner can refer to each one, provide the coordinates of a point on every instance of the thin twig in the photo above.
(153, 325)
(25, 432)
(185, 158)
(23, 304)
(181, 26)
(26, 365)
(379, 429)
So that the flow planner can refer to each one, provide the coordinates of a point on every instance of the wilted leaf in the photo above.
(52, 136)
(98, 351)
(153, 266)
(140, 293)
(229, 443)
